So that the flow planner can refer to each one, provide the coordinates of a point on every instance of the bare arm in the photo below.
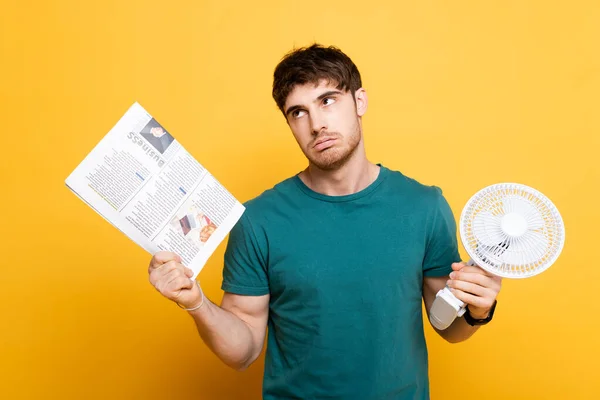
(472, 285)
(235, 331)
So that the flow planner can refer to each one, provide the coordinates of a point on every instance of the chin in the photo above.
(330, 161)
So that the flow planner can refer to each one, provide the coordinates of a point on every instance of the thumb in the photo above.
(188, 272)
(458, 266)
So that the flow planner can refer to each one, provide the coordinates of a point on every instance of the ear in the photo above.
(360, 97)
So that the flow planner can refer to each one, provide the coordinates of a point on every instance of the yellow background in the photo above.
(462, 94)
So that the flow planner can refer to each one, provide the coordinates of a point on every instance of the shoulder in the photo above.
(272, 204)
(270, 197)
(414, 190)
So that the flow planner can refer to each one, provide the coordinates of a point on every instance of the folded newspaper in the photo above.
(141, 180)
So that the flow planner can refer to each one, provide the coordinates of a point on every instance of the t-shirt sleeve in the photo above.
(442, 246)
(245, 269)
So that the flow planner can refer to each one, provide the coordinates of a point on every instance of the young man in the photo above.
(335, 260)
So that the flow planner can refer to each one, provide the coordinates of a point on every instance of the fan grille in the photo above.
(493, 249)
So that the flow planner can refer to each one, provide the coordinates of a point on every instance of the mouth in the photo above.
(324, 143)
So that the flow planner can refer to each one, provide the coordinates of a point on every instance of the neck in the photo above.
(351, 177)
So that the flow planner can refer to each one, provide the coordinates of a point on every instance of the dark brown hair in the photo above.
(311, 65)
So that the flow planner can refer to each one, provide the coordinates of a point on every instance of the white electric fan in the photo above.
(508, 229)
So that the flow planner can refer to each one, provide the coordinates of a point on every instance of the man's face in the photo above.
(157, 131)
(325, 122)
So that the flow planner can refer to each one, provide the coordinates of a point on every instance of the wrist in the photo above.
(195, 304)
(480, 317)
(479, 313)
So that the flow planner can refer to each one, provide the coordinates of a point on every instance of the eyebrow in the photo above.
(321, 97)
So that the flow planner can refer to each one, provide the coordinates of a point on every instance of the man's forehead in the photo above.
(310, 91)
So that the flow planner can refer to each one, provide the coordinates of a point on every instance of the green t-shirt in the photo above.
(345, 275)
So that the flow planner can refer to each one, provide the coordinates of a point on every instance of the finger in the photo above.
(162, 275)
(470, 288)
(164, 281)
(179, 284)
(163, 257)
(472, 300)
(458, 266)
(473, 277)
(173, 275)
(477, 269)
(188, 272)
(158, 274)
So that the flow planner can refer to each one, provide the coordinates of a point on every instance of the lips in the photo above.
(324, 143)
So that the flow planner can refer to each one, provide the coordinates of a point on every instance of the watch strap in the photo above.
(479, 321)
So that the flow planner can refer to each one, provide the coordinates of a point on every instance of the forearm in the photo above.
(458, 331)
(234, 332)
(227, 335)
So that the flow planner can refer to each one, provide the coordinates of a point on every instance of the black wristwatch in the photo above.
(474, 321)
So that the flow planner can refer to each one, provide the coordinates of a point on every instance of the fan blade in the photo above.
(486, 229)
(527, 249)
(524, 208)
(535, 221)
(518, 205)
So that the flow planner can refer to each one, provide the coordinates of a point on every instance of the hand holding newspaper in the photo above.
(141, 180)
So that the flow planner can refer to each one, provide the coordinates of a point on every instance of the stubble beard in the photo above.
(336, 156)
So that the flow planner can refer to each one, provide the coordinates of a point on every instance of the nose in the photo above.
(318, 122)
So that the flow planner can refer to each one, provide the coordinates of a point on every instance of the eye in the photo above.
(328, 101)
(298, 113)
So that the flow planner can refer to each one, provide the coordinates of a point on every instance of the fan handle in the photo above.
(446, 307)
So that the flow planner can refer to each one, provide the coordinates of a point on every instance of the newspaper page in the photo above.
(141, 180)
